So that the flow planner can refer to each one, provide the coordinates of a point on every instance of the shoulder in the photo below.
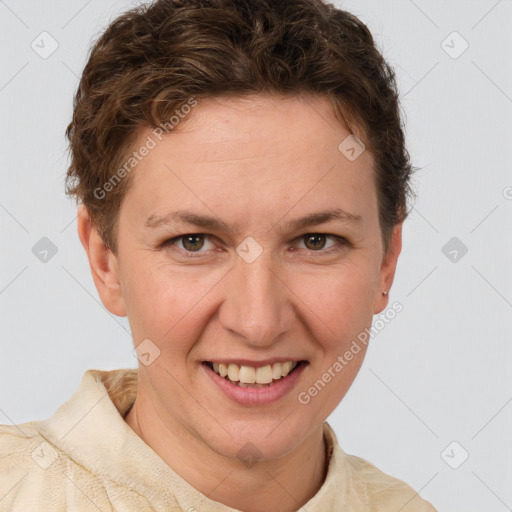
(364, 486)
(34, 474)
(384, 491)
(18, 447)
(25, 464)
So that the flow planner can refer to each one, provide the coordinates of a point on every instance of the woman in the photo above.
(243, 180)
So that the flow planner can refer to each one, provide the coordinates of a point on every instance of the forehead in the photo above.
(259, 125)
(259, 150)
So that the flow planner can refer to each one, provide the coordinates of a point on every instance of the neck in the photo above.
(280, 485)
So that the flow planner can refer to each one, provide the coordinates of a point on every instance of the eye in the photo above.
(316, 241)
(191, 243)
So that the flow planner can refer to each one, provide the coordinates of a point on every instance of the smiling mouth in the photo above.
(250, 377)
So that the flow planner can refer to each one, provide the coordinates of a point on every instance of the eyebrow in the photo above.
(207, 222)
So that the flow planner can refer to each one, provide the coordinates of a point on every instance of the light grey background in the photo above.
(438, 373)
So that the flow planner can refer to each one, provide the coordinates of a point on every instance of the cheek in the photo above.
(341, 297)
(164, 305)
(168, 304)
(340, 314)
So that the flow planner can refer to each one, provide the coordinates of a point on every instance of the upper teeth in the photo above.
(250, 375)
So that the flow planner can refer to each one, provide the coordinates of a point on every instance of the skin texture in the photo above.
(257, 164)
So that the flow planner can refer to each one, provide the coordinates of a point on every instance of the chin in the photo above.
(258, 440)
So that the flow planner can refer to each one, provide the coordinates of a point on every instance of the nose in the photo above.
(257, 306)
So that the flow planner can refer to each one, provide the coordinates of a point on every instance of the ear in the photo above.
(387, 270)
(103, 263)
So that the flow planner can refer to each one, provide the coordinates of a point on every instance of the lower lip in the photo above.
(256, 396)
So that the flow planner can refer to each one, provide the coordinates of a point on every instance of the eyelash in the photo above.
(342, 242)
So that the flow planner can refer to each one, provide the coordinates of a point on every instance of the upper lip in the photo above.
(247, 362)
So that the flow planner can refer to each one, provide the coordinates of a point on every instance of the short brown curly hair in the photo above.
(152, 59)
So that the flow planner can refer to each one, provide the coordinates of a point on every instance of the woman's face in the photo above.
(253, 286)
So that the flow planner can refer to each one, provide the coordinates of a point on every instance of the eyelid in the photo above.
(172, 242)
(342, 241)
(320, 251)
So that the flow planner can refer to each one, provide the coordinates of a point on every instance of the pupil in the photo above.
(190, 245)
(315, 239)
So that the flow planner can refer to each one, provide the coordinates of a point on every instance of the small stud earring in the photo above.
(384, 293)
